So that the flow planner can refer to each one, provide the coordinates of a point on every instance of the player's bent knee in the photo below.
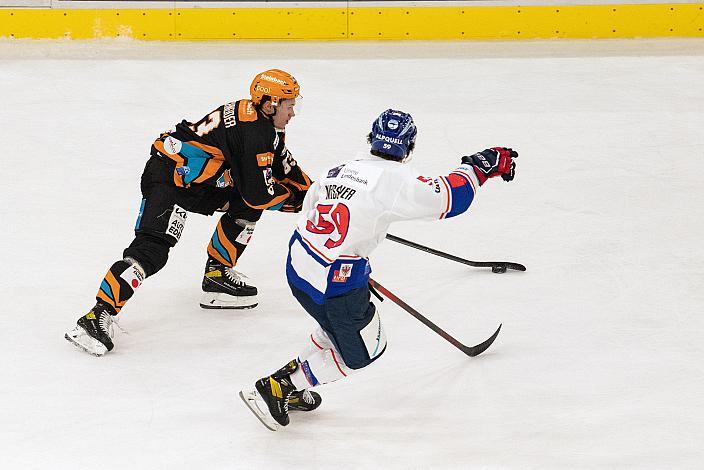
(374, 340)
(150, 251)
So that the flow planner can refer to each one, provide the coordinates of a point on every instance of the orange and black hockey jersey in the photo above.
(235, 145)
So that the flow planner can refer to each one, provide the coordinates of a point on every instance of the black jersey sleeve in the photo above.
(252, 159)
(286, 168)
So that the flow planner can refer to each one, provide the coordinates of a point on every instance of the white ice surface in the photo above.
(600, 361)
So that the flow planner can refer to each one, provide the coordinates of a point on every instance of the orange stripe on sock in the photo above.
(216, 254)
(115, 286)
(104, 297)
(226, 243)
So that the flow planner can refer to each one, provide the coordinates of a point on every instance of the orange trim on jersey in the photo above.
(271, 203)
(301, 186)
(227, 177)
(211, 168)
(159, 144)
(246, 111)
(214, 151)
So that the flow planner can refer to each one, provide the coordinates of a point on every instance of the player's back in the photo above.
(348, 210)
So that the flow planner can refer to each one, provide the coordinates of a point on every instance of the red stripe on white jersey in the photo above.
(310, 245)
(337, 363)
(316, 344)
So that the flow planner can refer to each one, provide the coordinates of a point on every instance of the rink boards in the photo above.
(346, 20)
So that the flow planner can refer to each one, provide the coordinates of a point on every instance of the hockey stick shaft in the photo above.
(495, 265)
(468, 350)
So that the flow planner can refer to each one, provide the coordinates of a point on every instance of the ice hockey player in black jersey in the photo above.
(234, 161)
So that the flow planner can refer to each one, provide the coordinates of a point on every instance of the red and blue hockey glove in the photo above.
(496, 161)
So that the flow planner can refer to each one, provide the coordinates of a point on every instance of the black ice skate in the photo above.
(270, 401)
(93, 332)
(223, 287)
(304, 400)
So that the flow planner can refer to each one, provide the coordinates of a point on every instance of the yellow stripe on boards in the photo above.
(397, 23)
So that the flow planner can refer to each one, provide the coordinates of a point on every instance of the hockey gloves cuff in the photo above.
(496, 161)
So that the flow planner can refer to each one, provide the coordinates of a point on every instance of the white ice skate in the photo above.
(223, 287)
(223, 300)
(257, 405)
(82, 340)
(94, 331)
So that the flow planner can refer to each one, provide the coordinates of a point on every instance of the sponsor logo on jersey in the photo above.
(265, 159)
(183, 170)
(432, 182)
(228, 115)
(343, 274)
(246, 111)
(225, 180)
(354, 178)
(268, 180)
(172, 146)
(338, 191)
(332, 173)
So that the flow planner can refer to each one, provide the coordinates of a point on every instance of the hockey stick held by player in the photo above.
(345, 215)
(234, 161)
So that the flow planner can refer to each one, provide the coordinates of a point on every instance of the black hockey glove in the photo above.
(294, 201)
(496, 161)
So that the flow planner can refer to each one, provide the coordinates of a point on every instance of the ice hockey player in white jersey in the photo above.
(345, 215)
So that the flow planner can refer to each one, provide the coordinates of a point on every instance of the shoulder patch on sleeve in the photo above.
(246, 111)
(430, 182)
(265, 159)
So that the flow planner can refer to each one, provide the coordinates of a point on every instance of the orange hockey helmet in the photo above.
(276, 84)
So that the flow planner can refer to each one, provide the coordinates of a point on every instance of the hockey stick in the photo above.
(468, 350)
(496, 266)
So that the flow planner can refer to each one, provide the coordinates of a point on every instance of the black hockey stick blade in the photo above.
(481, 347)
(471, 351)
(496, 266)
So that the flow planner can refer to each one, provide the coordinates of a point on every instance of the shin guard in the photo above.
(230, 239)
(120, 282)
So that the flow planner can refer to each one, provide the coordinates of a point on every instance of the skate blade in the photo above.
(261, 412)
(215, 300)
(83, 341)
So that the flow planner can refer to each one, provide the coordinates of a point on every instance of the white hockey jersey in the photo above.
(347, 213)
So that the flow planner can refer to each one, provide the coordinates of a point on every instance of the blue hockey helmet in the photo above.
(393, 135)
